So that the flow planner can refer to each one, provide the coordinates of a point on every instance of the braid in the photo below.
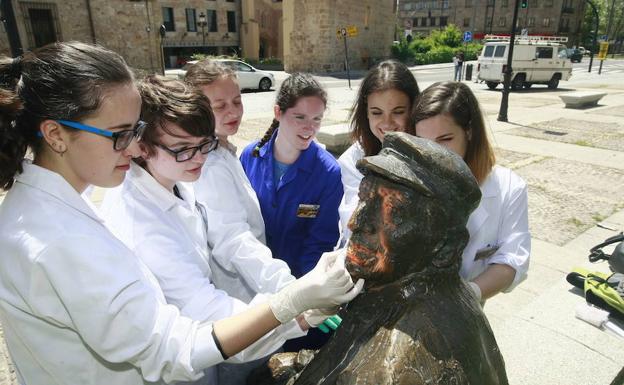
(267, 136)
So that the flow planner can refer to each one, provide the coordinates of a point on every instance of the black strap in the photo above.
(218, 344)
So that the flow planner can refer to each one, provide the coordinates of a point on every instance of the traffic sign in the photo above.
(352, 30)
(467, 36)
(341, 32)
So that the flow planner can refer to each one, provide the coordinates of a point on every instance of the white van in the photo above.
(536, 60)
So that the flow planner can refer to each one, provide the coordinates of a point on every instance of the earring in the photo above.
(59, 149)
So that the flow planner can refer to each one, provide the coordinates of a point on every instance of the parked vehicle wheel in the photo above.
(517, 83)
(265, 84)
(553, 83)
(491, 85)
(527, 85)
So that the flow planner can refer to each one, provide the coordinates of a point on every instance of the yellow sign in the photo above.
(604, 48)
(349, 31)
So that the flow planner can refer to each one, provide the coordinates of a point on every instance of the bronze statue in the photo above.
(417, 322)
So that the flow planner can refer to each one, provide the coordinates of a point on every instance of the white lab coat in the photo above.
(351, 178)
(500, 222)
(169, 235)
(241, 263)
(76, 306)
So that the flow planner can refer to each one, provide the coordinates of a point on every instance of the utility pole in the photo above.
(593, 49)
(502, 113)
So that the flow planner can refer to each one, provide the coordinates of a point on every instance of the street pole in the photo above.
(591, 53)
(347, 60)
(502, 113)
(162, 32)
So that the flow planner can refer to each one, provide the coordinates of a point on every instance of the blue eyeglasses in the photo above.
(121, 139)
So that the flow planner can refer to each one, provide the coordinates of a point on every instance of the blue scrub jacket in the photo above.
(314, 179)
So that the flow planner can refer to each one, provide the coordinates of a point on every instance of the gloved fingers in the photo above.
(328, 259)
(348, 296)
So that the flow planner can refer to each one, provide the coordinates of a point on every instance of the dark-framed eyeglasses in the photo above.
(186, 153)
(121, 139)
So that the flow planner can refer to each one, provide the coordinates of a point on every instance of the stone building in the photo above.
(262, 30)
(129, 27)
(541, 17)
(303, 33)
(312, 44)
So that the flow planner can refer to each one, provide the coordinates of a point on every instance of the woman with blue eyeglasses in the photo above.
(76, 305)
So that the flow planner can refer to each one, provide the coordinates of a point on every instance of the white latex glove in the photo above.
(315, 317)
(327, 285)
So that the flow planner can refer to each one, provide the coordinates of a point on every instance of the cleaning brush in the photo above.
(597, 317)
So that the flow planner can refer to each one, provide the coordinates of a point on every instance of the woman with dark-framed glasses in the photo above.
(76, 305)
(155, 213)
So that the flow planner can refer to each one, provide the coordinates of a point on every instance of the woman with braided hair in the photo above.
(297, 182)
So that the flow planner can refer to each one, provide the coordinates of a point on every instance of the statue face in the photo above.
(384, 227)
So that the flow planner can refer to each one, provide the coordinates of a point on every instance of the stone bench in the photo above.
(335, 137)
(581, 99)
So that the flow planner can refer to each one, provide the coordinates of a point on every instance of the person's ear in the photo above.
(277, 112)
(143, 152)
(54, 135)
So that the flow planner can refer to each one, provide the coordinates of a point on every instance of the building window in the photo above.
(167, 13)
(502, 21)
(432, 21)
(533, 4)
(445, 4)
(41, 22)
(564, 25)
(504, 3)
(211, 19)
(490, 3)
(407, 6)
(546, 22)
(191, 21)
(443, 21)
(423, 21)
(468, 3)
(488, 22)
(531, 22)
(547, 3)
(415, 22)
(467, 22)
(231, 19)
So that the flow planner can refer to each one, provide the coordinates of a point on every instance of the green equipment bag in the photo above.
(601, 289)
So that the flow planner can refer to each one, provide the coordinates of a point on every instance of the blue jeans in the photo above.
(458, 72)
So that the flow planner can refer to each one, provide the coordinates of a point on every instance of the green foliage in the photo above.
(402, 52)
(439, 47)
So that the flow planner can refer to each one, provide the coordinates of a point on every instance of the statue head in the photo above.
(415, 200)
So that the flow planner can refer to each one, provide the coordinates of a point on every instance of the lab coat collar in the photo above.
(229, 147)
(155, 192)
(54, 184)
(489, 190)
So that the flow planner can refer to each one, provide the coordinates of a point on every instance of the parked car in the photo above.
(248, 76)
(536, 60)
(584, 51)
(574, 55)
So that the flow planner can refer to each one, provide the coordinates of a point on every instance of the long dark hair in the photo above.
(296, 86)
(387, 75)
(169, 100)
(63, 80)
(456, 100)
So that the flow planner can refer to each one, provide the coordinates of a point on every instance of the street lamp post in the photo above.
(202, 23)
(502, 113)
(591, 53)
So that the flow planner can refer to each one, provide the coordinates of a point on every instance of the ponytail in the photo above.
(267, 136)
(13, 145)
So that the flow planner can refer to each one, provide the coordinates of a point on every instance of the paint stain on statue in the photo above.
(417, 321)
